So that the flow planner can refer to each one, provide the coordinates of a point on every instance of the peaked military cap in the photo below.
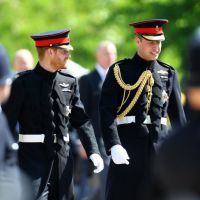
(150, 29)
(5, 70)
(59, 38)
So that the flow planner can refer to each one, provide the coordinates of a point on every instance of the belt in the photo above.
(132, 119)
(38, 138)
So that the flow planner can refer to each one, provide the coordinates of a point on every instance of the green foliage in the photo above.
(92, 21)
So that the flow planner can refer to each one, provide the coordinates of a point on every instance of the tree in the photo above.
(92, 21)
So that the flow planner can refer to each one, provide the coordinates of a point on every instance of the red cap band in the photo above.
(156, 30)
(44, 43)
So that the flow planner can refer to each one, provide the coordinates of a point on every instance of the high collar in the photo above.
(143, 63)
(44, 73)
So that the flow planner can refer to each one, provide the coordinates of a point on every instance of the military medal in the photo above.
(165, 96)
(68, 111)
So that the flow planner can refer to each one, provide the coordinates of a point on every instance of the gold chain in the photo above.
(146, 77)
(149, 91)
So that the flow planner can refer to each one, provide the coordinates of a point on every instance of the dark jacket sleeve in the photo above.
(85, 93)
(175, 108)
(108, 110)
(14, 104)
(81, 122)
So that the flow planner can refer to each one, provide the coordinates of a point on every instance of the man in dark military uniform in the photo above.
(43, 101)
(137, 95)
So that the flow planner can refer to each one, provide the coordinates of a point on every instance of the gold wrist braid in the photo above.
(146, 77)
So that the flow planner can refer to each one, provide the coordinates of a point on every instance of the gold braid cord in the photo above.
(145, 78)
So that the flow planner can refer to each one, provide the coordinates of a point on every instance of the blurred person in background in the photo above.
(75, 69)
(175, 173)
(13, 185)
(23, 60)
(43, 101)
(137, 95)
(90, 91)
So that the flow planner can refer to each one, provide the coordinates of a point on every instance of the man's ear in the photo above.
(137, 40)
(50, 51)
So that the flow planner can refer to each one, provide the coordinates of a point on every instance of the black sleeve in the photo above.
(108, 111)
(175, 108)
(14, 104)
(81, 122)
(85, 93)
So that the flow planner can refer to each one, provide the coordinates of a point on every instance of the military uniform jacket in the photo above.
(137, 138)
(44, 103)
(165, 79)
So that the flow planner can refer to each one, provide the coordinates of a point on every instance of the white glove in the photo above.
(97, 162)
(119, 155)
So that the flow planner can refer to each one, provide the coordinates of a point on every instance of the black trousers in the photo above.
(54, 191)
(51, 189)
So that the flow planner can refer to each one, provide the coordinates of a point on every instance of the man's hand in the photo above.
(119, 155)
(97, 162)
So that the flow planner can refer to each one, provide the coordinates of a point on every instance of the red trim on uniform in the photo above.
(43, 43)
(156, 30)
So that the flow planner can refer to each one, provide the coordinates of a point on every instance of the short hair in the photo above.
(104, 44)
(41, 51)
(139, 36)
(26, 56)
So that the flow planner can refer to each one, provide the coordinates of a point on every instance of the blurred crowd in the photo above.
(175, 170)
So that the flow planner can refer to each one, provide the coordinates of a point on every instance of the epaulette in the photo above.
(22, 73)
(64, 73)
(123, 61)
(165, 65)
